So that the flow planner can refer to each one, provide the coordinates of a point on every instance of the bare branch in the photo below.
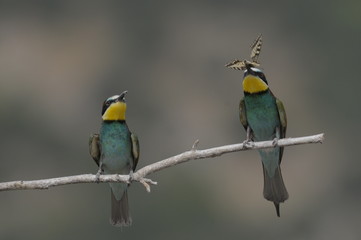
(52, 182)
(140, 175)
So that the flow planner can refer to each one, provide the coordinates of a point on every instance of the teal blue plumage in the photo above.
(263, 119)
(116, 145)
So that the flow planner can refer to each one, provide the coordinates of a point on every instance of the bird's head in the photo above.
(114, 108)
(254, 80)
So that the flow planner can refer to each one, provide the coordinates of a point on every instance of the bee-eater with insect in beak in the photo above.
(264, 118)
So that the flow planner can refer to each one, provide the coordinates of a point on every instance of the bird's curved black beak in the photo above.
(121, 97)
(249, 68)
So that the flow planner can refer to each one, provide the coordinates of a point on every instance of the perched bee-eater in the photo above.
(116, 151)
(264, 118)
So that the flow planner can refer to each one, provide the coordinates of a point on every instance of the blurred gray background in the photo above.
(59, 60)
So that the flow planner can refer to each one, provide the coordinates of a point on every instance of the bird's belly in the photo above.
(262, 130)
(116, 151)
(116, 164)
(262, 118)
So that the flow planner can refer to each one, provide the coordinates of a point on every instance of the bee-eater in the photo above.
(264, 118)
(116, 151)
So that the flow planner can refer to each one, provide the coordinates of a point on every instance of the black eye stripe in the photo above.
(261, 76)
(108, 102)
(106, 105)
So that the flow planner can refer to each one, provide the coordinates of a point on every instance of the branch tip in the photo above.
(145, 182)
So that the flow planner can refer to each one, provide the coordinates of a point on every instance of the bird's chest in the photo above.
(116, 148)
(262, 115)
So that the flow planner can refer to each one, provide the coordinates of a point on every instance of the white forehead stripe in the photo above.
(256, 69)
(113, 98)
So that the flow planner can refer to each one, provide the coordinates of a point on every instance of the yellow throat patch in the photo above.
(253, 84)
(115, 112)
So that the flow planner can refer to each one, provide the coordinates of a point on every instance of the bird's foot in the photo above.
(275, 142)
(248, 143)
(97, 176)
(131, 176)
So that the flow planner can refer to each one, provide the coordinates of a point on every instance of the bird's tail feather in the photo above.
(274, 189)
(120, 211)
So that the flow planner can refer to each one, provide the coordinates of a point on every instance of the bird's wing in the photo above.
(283, 118)
(94, 147)
(135, 150)
(283, 121)
(242, 114)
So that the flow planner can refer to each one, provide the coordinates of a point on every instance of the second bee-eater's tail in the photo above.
(120, 211)
(274, 189)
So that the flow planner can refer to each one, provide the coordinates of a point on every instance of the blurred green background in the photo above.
(60, 59)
